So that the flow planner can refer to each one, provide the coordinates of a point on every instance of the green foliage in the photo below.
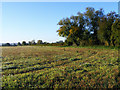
(115, 36)
(24, 43)
(90, 28)
(19, 44)
(39, 42)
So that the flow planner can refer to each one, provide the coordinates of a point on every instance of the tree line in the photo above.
(92, 27)
(33, 43)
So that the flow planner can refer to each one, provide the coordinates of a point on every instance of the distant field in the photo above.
(59, 67)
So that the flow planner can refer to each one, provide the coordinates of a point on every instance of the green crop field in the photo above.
(59, 67)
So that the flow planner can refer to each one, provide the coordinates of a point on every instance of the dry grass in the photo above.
(59, 67)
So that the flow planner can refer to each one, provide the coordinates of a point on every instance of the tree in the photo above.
(105, 28)
(39, 42)
(90, 28)
(19, 44)
(6, 44)
(72, 28)
(78, 28)
(33, 42)
(29, 43)
(65, 26)
(115, 34)
(68, 42)
(92, 22)
(14, 44)
(60, 41)
(24, 43)
(102, 32)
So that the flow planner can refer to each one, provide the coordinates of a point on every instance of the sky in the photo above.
(26, 21)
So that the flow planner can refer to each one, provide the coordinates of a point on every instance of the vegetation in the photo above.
(33, 43)
(91, 28)
(59, 67)
(24, 43)
(87, 59)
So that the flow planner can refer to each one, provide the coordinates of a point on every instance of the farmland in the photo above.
(59, 67)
